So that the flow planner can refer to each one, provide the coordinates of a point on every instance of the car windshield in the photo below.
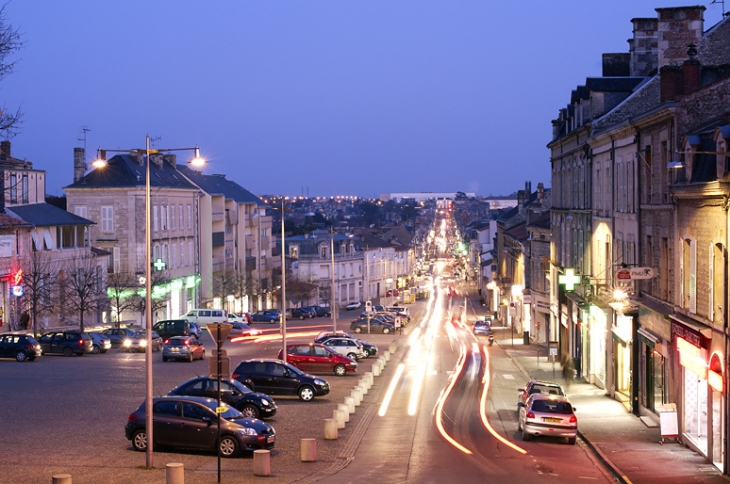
(550, 406)
(293, 369)
(546, 390)
(230, 412)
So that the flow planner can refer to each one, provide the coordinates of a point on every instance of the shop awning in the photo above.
(649, 338)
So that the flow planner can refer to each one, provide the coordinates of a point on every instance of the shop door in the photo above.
(695, 410)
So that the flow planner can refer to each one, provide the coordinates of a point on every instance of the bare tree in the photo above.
(122, 290)
(160, 290)
(10, 43)
(84, 286)
(298, 290)
(38, 288)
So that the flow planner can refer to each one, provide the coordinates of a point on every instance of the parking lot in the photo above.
(67, 414)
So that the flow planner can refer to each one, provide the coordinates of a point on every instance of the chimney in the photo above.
(643, 47)
(678, 27)
(157, 160)
(540, 193)
(670, 83)
(528, 189)
(5, 149)
(79, 164)
(616, 65)
(691, 71)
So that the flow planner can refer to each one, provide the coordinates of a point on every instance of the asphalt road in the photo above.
(67, 415)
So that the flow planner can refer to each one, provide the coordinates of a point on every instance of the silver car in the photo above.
(347, 347)
(547, 415)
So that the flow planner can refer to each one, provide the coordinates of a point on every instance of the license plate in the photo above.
(270, 439)
(552, 420)
(175, 349)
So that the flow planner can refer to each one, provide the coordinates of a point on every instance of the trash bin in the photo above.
(526, 337)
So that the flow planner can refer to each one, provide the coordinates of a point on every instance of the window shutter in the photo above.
(711, 292)
(693, 276)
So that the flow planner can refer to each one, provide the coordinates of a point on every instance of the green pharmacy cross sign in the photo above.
(570, 279)
(159, 264)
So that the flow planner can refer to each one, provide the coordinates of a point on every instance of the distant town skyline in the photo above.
(316, 98)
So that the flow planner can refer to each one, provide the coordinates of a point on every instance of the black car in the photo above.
(297, 313)
(191, 422)
(22, 347)
(274, 377)
(118, 335)
(174, 327)
(66, 343)
(376, 326)
(321, 311)
(234, 393)
(370, 348)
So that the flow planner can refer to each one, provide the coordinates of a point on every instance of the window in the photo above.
(163, 217)
(173, 259)
(172, 217)
(155, 218)
(24, 188)
(688, 269)
(190, 216)
(13, 188)
(80, 211)
(182, 254)
(115, 263)
(191, 261)
(107, 218)
(182, 217)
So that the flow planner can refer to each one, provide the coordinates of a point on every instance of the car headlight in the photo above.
(264, 402)
(143, 342)
(127, 343)
(319, 382)
(247, 431)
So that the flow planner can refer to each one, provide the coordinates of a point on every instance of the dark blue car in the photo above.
(482, 327)
(265, 316)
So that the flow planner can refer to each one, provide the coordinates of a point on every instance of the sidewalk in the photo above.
(630, 448)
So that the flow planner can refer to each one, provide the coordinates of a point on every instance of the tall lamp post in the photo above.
(334, 298)
(101, 162)
(283, 286)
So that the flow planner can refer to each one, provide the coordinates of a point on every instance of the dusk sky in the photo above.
(314, 98)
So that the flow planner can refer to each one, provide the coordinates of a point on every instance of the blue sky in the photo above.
(318, 98)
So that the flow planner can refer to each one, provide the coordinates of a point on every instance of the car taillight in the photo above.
(235, 376)
(131, 417)
(29, 347)
(530, 415)
(81, 342)
(573, 419)
(167, 341)
(186, 342)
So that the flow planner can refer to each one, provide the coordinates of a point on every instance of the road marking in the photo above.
(587, 477)
(507, 376)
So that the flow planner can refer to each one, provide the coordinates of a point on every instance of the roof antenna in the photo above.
(721, 2)
(85, 129)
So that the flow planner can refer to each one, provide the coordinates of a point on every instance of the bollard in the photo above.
(369, 376)
(393, 346)
(261, 463)
(356, 393)
(330, 428)
(342, 407)
(62, 479)
(350, 402)
(364, 387)
(339, 416)
(308, 449)
(381, 362)
(175, 473)
(387, 355)
(376, 368)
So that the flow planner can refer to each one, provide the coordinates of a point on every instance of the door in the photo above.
(45, 342)
(196, 427)
(6, 346)
(300, 356)
(282, 380)
(323, 359)
(166, 418)
(262, 378)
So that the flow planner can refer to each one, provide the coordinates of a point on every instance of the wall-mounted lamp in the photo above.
(675, 165)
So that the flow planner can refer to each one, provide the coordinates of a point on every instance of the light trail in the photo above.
(442, 401)
(483, 407)
(391, 389)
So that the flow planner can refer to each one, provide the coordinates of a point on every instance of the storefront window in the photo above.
(658, 376)
(695, 409)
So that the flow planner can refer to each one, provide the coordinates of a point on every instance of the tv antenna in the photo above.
(85, 129)
(721, 2)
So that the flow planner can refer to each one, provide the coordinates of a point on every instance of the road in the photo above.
(433, 429)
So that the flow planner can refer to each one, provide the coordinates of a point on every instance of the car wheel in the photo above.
(95, 349)
(229, 446)
(340, 370)
(273, 321)
(386, 330)
(352, 356)
(164, 358)
(519, 425)
(139, 441)
(250, 411)
(358, 330)
(525, 435)
(571, 440)
(21, 356)
(67, 351)
(306, 393)
(301, 317)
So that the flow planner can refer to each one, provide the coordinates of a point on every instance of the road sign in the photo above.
(219, 332)
(635, 273)
(368, 306)
(225, 367)
(623, 275)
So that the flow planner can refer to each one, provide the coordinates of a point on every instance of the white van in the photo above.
(206, 316)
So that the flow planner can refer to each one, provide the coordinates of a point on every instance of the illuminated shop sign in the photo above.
(692, 358)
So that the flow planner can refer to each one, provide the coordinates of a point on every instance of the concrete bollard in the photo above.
(62, 479)
(376, 368)
(261, 463)
(345, 409)
(350, 402)
(308, 448)
(175, 473)
(387, 355)
(330, 428)
(339, 416)
(381, 362)
(356, 393)
(364, 387)
(393, 346)
(369, 376)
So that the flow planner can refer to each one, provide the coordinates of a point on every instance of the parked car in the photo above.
(297, 313)
(118, 335)
(195, 329)
(266, 316)
(547, 415)
(239, 318)
(234, 393)
(22, 347)
(173, 327)
(138, 342)
(482, 327)
(310, 311)
(186, 348)
(318, 358)
(100, 343)
(353, 305)
(400, 311)
(370, 348)
(376, 326)
(66, 343)
(191, 422)
(206, 316)
(274, 377)
(538, 386)
(348, 347)
(242, 329)
(321, 311)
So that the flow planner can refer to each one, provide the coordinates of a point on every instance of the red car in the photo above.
(314, 357)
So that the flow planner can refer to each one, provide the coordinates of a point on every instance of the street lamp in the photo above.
(283, 286)
(334, 299)
(99, 163)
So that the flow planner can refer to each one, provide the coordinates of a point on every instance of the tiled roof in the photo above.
(45, 215)
(126, 171)
(219, 185)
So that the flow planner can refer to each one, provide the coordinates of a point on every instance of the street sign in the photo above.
(634, 273)
(225, 367)
(219, 332)
(623, 275)
(368, 306)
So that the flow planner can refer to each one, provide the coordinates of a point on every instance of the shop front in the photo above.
(621, 358)
(653, 338)
(598, 319)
